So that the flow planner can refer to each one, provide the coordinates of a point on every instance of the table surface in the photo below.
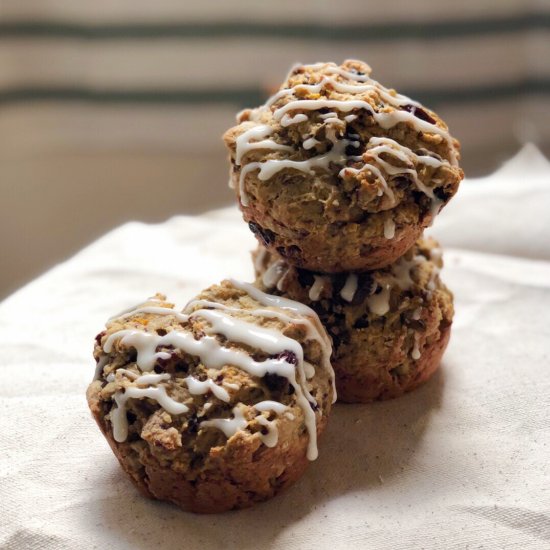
(463, 462)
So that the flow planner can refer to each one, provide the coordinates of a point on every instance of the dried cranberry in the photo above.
(441, 194)
(336, 340)
(305, 278)
(274, 382)
(418, 197)
(366, 286)
(164, 362)
(181, 366)
(266, 236)
(193, 424)
(291, 251)
(362, 322)
(420, 113)
(352, 150)
(100, 336)
(288, 356)
(402, 181)
(338, 282)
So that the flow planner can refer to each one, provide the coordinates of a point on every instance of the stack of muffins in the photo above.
(220, 405)
(338, 176)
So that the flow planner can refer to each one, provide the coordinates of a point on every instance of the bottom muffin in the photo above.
(216, 407)
(389, 327)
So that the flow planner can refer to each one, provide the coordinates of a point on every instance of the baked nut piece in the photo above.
(337, 173)
(217, 407)
(389, 327)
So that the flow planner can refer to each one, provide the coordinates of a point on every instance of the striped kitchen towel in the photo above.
(171, 74)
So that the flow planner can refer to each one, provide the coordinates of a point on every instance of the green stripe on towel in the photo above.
(431, 30)
(252, 96)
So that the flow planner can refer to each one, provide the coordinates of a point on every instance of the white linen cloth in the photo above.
(463, 462)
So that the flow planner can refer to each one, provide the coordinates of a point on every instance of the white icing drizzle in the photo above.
(361, 83)
(435, 208)
(281, 281)
(314, 330)
(401, 276)
(319, 283)
(389, 228)
(147, 379)
(275, 301)
(275, 274)
(268, 405)
(158, 394)
(310, 143)
(378, 146)
(350, 287)
(260, 258)
(244, 143)
(155, 311)
(288, 120)
(271, 437)
(309, 369)
(122, 313)
(380, 303)
(199, 387)
(401, 272)
(268, 168)
(229, 426)
(215, 355)
(236, 330)
(101, 362)
(415, 354)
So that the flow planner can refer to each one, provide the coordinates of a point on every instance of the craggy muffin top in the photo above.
(334, 143)
(236, 363)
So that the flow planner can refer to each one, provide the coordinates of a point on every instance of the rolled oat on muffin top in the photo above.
(216, 407)
(337, 173)
(389, 327)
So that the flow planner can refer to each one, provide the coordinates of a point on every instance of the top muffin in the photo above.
(337, 173)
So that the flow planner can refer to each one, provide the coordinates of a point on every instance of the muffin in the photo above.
(337, 173)
(389, 327)
(219, 406)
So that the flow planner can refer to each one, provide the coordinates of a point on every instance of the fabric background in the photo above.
(460, 463)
